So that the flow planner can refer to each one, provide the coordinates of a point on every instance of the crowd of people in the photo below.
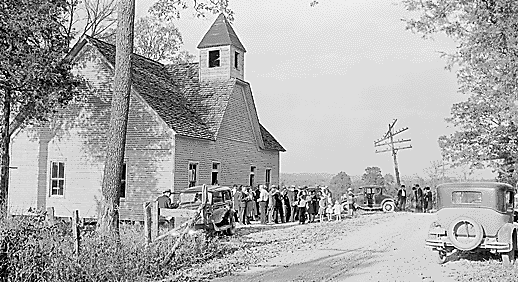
(421, 199)
(271, 205)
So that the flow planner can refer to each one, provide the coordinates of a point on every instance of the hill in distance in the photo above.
(305, 178)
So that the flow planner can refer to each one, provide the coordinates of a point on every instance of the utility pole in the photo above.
(389, 141)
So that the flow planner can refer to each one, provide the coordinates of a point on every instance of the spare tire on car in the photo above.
(465, 233)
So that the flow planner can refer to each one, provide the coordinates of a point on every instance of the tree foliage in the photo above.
(339, 184)
(373, 176)
(171, 9)
(35, 77)
(159, 40)
(486, 35)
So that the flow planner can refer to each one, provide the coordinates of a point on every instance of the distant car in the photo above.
(371, 197)
(474, 216)
(218, 213)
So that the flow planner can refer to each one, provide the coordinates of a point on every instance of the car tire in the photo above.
(388, 207)
(508, 258)
(442, 257)
(471, 226)
(232, 230)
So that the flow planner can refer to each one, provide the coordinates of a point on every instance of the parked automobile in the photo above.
(217, 214)
(371, 197)
(474, 216)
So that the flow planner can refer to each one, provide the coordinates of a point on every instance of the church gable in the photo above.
(237, 123)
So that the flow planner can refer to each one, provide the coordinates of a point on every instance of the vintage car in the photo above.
(372, 198)
(474, 216)
(217, 213)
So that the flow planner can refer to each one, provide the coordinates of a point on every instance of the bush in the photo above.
(38, 252)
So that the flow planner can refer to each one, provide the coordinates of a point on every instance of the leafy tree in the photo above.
(35, 77)
(159, 40)
(487, 69)
(390, 184)
(339, 184)
(373, 176)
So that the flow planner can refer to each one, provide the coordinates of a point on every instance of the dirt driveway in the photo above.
(375, 247)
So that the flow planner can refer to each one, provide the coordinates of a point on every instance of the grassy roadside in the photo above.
(482, 267)
(38, 252)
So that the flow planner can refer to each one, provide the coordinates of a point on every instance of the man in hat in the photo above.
(401, 195)
(164, 201)
(350, 202)
(292, 198)
(418, 199)
(263, 201)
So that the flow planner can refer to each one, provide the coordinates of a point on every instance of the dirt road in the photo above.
(376, 247)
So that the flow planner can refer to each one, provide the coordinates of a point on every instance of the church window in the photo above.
(236, 60)
(214, 59)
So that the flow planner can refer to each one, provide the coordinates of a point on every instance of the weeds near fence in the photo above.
(33, 250)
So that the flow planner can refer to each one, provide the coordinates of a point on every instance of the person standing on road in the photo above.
(401, 194)
(263, 200)
(322, 203)
(236, 200)
(418, 198)
(286, 204)
(337, 210)
(427, 199)
(278, 212)
(302, 204)
(251, 211)
(350, 202)
(242, 205)
(292, 197)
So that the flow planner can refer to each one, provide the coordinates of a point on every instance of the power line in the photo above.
(389, 141)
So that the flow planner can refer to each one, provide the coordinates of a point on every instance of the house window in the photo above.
(267, 178)
(193, 174)
(236, 60)
(215, 173)
(213, 58)
(252, 176)
(57, 178)
(122, 188)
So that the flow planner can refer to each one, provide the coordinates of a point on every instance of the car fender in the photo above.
(219, 214)
(387, 200)
(505, 233)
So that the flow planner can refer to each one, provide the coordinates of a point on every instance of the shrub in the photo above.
(38, 252)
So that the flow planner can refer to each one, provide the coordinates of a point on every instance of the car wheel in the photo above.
(232, 230)
(389, 207)
(465, 233)
(441, 257)
(508, 258)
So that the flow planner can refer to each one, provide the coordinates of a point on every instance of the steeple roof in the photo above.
(221, 33)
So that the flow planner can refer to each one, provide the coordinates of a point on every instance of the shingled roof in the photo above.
(221, 33)
(190, 107)
(211, 99)
(154, 84)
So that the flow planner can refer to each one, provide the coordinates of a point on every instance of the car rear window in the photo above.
(466, 197)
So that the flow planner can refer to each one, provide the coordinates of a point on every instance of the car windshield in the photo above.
(466, 197)
(192, 198)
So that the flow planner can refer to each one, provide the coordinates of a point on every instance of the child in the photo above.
(329, 211)
(322, 208)
(337, 209)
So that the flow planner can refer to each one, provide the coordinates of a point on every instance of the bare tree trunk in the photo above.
(4, 170)
(109, 212)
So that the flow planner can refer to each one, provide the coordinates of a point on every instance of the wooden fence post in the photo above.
(147, 221)
(75, 231)
(49, 216)
(155, 216)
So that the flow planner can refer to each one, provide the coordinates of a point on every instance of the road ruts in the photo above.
(393, 250)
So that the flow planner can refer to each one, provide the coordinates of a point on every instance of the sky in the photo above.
(328, 80)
